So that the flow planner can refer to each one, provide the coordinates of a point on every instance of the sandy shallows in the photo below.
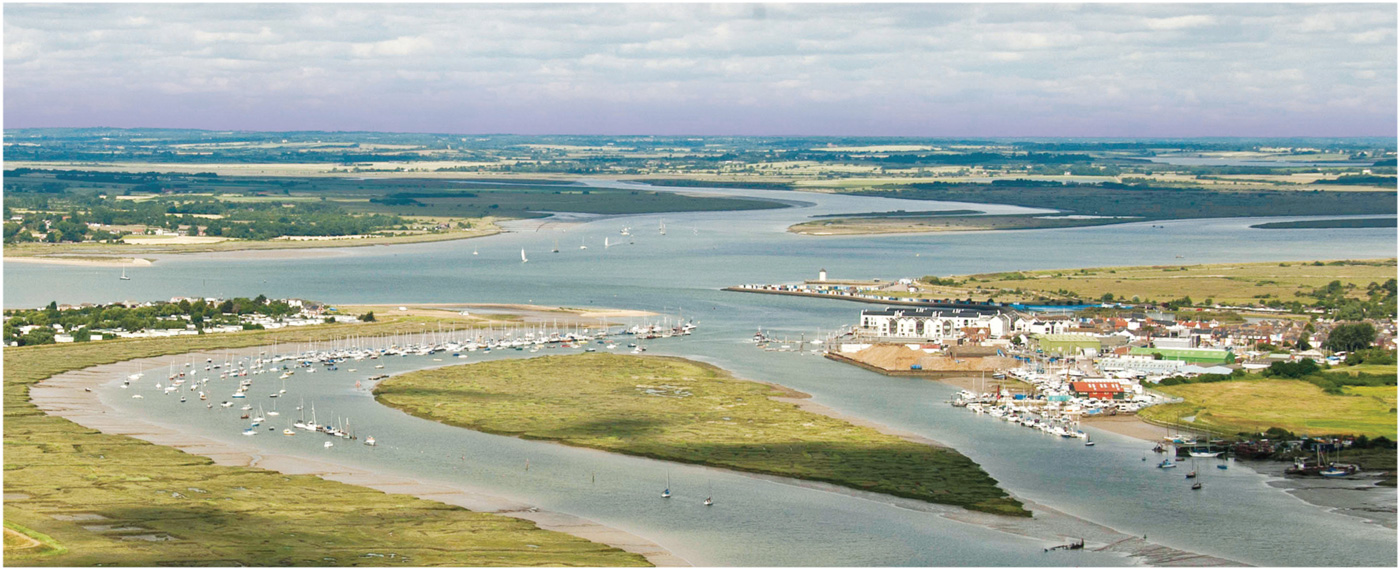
(82, 261)
(1129, 425)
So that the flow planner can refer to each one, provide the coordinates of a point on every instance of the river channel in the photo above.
(758, 521)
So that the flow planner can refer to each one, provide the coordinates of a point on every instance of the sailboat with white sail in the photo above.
(523, 258)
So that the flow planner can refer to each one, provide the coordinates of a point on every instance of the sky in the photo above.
(965, 70)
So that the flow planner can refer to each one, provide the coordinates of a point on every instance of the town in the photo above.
(1051, 366)
(180, 316)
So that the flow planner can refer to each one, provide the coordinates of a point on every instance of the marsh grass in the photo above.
(685, 411)
(148, 505)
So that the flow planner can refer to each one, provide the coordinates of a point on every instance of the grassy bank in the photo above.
(117, 500)
(1223, 283)
(869, 225)
(1254, 405)
(685, 411)
(1329, 224)
(109, 250)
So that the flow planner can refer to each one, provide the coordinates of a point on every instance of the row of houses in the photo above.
(948, 325)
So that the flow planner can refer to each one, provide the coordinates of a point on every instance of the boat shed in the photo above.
(1068, 344)
(1188, 355)
(1097, 389)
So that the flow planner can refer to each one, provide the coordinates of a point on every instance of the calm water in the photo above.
(760, 522)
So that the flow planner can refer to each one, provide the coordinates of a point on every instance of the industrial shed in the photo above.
(1189, 355)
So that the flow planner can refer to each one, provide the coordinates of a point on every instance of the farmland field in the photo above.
(1224, 283)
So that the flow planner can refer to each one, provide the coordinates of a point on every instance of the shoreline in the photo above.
(1339, 496)
(528, 312)
(64, 396)
(249, 249)
(82, 261)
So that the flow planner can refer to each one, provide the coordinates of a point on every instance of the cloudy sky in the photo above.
(908, 70)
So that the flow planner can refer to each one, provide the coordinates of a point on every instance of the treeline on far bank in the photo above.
(26, 327)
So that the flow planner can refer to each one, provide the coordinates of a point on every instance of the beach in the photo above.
(524, 312)
(82, 261)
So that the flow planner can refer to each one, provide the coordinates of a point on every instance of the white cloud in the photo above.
(1180, 22)
(796, 64)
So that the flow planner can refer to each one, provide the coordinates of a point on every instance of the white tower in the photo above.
(821, 275)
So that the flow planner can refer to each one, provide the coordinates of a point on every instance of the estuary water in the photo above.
(756, 521)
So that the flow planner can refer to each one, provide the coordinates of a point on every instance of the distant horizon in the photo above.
(646, 135)
(1169, 71)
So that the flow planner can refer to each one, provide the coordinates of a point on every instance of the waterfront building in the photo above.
(1097, 389)
(937, 324)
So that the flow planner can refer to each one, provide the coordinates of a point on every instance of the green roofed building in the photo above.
(1190, 355)
(1067, 343)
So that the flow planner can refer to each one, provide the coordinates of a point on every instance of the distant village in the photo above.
(1123, 345)
(180, 316)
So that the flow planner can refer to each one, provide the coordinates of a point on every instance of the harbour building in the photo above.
(1188, 355)
(937, 324)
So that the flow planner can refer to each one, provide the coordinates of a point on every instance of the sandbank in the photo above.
(83, 261)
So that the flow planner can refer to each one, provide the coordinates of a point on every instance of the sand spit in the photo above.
(66, 395)
(82, 261)
(527, 312)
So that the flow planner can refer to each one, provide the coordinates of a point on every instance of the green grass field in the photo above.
(1374, 369)
(1225, 283)
(1252, 406)
(117, 500)
(685, 411)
